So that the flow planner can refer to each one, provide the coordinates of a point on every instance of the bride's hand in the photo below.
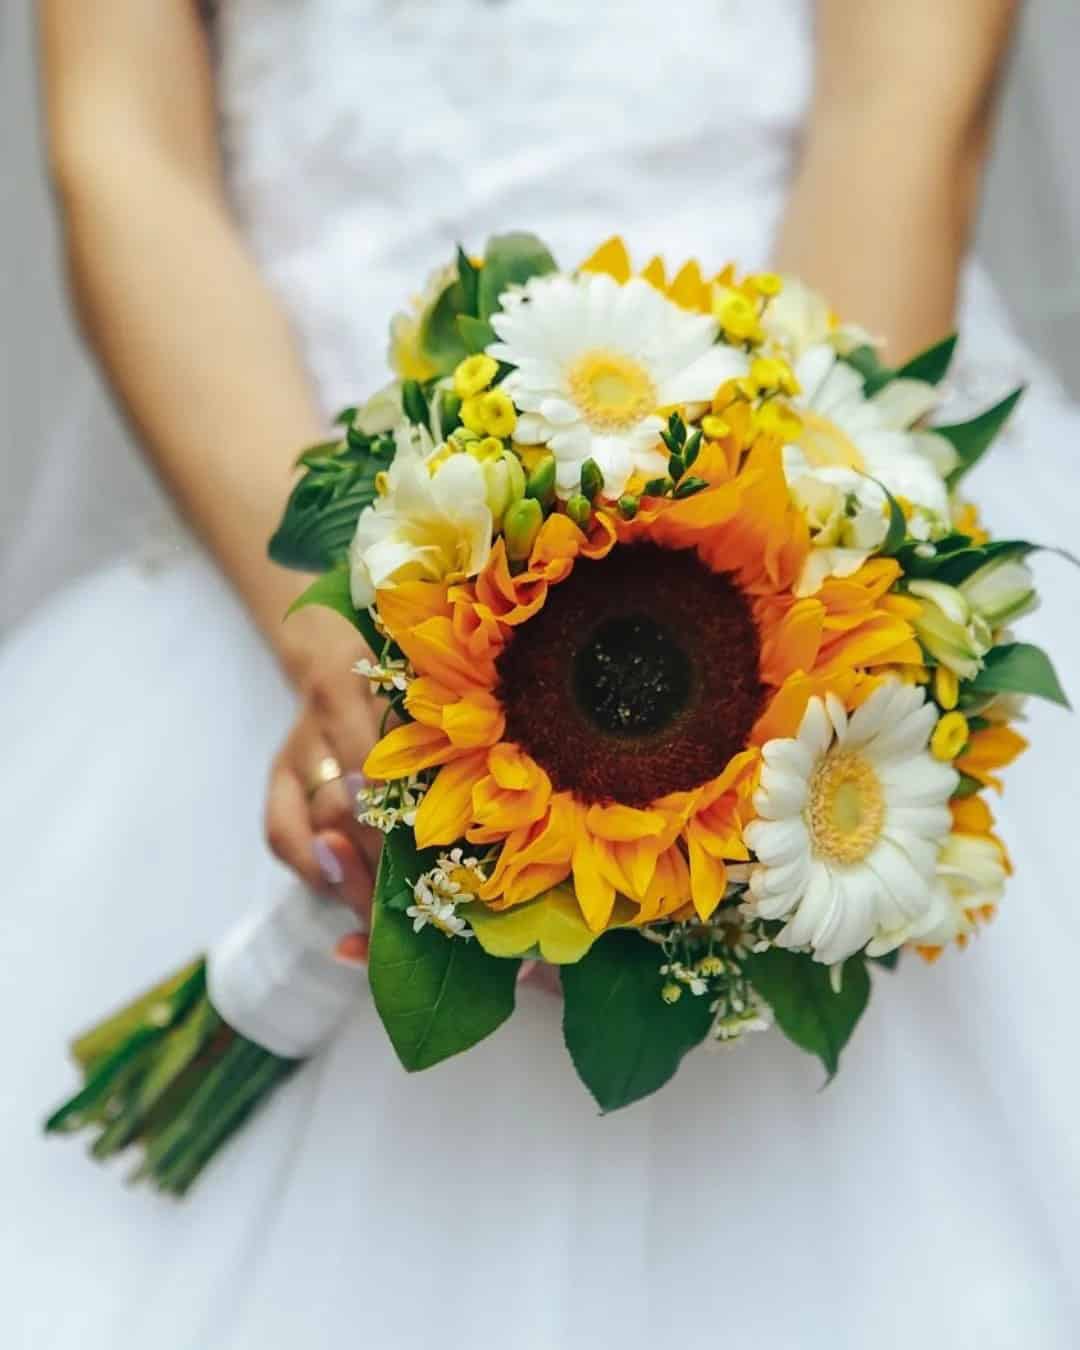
(309, 821)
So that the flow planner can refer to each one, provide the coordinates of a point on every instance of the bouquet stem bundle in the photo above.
(168, 1074)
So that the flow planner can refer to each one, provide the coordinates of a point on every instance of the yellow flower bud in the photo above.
(671, 992)
(474, 374)
(776, 419)
(490, 414)
(737, 315)
(765, 283)
(946, 687)
(504, 478)
(950, 736)
(382, 482)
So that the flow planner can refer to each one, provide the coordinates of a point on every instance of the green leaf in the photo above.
(867, 362)
(625, 1041)
(971, 440)
(469, 279)
(931, 365)
(332, 590)
(806, 1009)
(889, 961)
(1020, 668)
(967, 787)
(414, 404)
(321, 514)
(897, 531)
(400, 863)
(510, 260)
(440, 340)
(436, 995)
(476, 334)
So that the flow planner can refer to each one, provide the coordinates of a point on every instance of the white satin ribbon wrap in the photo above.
(273, 976)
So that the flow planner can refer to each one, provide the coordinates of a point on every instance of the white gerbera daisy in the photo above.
(595, 361)
(426, 525)
(853, 812)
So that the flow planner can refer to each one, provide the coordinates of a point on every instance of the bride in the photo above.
(247, 194)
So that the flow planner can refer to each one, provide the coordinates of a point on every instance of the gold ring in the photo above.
(327, 771)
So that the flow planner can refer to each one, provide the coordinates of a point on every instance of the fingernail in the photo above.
(352, 950)
(327, 861)
(354, 783)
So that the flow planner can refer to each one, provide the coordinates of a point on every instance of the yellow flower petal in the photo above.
(407, 750)
(611, 257)
(446, 809)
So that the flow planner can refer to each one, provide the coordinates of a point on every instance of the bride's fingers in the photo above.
(342, 859)
(288, 828)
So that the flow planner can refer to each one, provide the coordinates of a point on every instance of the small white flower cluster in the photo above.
(438, 892)
(384, 805)
(385, 677)
(738, 1011)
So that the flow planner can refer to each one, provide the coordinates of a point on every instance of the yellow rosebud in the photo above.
(715, 428)
(490, 414)
(950, 736)
(474, 374)
(946, 687)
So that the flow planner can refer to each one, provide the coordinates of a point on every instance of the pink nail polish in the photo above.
(327, 861)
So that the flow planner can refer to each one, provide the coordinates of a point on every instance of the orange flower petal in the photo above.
(446, 809)
(403, 607)
(475, 719)
(621, 823)
(408, 749)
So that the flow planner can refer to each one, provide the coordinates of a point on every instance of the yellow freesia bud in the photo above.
(504, 478)
(490, 414)
(474, 375)
(950, 736)
(946, 687)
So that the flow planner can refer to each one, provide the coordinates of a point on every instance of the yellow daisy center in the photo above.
(846, 808)
(612, 391)
(825, 445)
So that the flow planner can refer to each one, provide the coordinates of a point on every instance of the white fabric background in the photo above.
(1029, 236)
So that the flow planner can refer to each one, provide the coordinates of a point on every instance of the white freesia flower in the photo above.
(1001, 591)
(595, 362)
(854, 443)
(949, 628)
(800, 318)
(971, 875)
(852, 812)
(426, 526)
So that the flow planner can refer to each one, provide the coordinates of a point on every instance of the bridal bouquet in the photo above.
(697, 669)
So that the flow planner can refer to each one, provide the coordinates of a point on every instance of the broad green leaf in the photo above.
(469, 280)
(867, 362)
(931, 365)
(399, 865)
(806, 1009)
(551, 927)
(1020, 668)
(956, 567)
(510, 260)
(625, 1041)
(321, 514)
(971, 440)
(332, 590)
(889, 961)
(476, 334)
(440, 340)
(436, 995)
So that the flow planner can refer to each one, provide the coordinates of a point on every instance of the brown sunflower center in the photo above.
(639, 677)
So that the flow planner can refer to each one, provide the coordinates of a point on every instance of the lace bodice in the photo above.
(366, 137)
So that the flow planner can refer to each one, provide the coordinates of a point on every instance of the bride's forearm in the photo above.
(195, 347)
(883, 204)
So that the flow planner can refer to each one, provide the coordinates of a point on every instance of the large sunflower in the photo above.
(599, 715)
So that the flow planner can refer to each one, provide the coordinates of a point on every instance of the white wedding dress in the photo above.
(930, 1197)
